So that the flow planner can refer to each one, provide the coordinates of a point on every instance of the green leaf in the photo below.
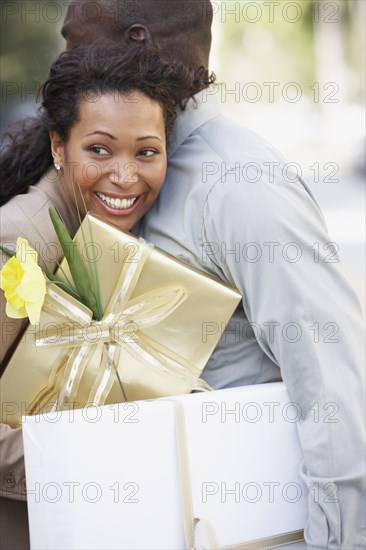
(93, 272)
(77, 266)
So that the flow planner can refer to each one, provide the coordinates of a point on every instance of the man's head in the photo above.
(182, 27)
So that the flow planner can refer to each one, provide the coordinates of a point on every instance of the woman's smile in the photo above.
(119, 205)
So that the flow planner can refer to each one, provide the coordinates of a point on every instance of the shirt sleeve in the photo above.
(270, 241)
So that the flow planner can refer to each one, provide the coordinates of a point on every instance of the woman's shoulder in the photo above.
(27, 215)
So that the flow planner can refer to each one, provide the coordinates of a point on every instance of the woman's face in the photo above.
(115, 155)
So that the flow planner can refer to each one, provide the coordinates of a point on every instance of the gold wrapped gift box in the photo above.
(155, 312)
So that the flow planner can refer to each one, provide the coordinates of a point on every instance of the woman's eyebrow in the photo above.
(148, 137)
(101, 132)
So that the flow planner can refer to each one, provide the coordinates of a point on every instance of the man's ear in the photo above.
(57, 148)
(137, 33)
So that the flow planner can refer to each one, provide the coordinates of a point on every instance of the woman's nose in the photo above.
(125, 174)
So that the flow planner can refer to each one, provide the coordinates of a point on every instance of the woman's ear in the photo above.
(57, 148)
(138, 33)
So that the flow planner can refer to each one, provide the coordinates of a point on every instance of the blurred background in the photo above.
(292, 71)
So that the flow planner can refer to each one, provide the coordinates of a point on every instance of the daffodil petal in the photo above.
(15, 313)
(11, 274)
(23, 283)
(33, 285)
(25, 253)
(16, 301)
(34, 311)
(33, 270)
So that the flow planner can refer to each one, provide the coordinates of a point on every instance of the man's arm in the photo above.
(311, 326)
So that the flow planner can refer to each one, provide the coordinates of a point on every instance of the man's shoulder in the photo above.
(233, 142)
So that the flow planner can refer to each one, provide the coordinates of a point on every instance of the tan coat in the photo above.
(26, 216)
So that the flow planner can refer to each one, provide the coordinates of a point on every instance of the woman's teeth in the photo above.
(120, 204)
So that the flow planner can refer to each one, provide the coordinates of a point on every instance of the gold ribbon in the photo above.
(80, 337)
(194, 528)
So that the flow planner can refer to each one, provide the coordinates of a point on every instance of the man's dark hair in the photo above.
(182, 27)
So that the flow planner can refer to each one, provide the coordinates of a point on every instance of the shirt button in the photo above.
(9, 481)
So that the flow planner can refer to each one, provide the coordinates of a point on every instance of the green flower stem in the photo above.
(93, 272)
(120, 383)
(7, 250)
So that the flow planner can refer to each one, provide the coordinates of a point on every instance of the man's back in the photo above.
(232, 207)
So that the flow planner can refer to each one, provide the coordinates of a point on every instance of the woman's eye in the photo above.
(147, 152)
(98, 150)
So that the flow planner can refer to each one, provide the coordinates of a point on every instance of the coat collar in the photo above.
(51, 186)
(200, 109)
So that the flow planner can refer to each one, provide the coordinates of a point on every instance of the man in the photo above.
(253, 228)
(228, 207)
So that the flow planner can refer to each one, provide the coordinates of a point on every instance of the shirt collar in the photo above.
(200, 109)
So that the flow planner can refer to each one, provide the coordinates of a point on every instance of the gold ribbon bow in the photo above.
(79, 337)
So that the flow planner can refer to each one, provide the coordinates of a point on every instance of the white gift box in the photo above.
(125, 476)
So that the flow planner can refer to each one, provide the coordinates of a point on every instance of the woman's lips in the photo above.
(117, 206)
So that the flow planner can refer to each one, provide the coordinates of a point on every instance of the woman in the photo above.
(102, 130)
(103, 124)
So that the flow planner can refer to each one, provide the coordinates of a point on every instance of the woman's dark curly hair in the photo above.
(82, 73)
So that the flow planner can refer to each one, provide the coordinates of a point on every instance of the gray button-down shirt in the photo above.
(231, 207)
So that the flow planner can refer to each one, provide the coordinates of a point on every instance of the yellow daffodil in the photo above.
(23, 283)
